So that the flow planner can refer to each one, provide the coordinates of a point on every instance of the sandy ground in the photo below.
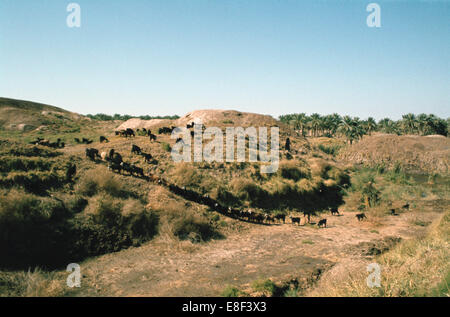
(283, 253)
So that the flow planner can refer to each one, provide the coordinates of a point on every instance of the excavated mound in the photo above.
(217, 118)
(227, 117)
(419, 154)
(137, 123)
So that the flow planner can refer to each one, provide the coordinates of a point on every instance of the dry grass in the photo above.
(416, 267)
(36, 283)
(101, 180)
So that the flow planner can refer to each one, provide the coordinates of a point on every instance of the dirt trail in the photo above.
(280, 252)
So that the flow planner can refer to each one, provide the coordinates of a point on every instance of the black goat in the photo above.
(135, 149)
(322, 223)
(361, 216)
(280, 217)
(334, 211)
(295, 220)
(114, 167)
(92, 154)
(165, 130)
(71, 171)
(147, 157)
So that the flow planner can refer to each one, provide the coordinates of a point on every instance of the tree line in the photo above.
(353, 128)
(106, 117)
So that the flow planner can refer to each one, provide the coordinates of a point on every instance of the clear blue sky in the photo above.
(269, 56)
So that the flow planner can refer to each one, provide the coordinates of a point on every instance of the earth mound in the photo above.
(216, 118)
(417, 154)
(26, 115)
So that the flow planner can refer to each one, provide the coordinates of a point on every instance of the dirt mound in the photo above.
(26, 115)
(429, 154)
(227, 117)
(217, 118)
(137, 123)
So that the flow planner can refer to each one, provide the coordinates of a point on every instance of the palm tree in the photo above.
(371, 125)
(352, 128)
(409, 123)
(336, 120)
(346, 128)
(386, 125)
(301, 122)
(358, 128)
(315, 123)
(422, 123)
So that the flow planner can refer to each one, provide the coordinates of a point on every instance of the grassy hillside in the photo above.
(26, 116)
(48, 219)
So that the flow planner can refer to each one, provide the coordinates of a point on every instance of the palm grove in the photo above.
(353, 128)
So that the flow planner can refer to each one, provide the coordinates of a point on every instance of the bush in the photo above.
(32, 231)
(109, 225)
(247, 190)
(51, 233)
(36, 283)
(77, 204)
(8, 164)
(330, 149)
(231, 291)
(293, 170)
(185, 224)
(186, 175)
(267, 287)
(166, 147)
(224, 197)
(31, 151)
(100, 180)
(33, 182)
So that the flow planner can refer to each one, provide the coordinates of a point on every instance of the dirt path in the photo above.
(280, 252)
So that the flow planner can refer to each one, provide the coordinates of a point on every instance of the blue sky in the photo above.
(162, 57)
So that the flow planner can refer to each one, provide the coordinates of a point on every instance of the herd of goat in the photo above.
(116, 164)
(43, 142)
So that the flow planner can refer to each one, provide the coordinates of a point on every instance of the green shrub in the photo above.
(110, 225)
(185, 224)
(224, 197)
(247, 190)
(330, 149)
(267, 287)
(166, 147)
(188, 224)
(32, 283)
(51, 233)
(77, 204)
(231, 291)
(31, 151)
(8, 164)
(33, 182)
(370, 194)
(293, 170)
(32, 231)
